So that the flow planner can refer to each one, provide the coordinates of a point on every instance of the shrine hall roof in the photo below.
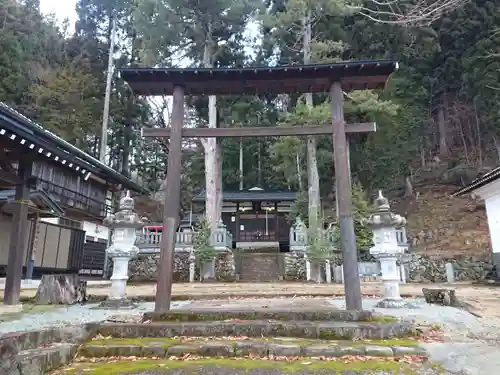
(252, 196)
(353, 75)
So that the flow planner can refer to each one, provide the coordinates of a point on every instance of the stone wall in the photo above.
(145, 267)
(224, 267)
(295, 266)
(424, 269)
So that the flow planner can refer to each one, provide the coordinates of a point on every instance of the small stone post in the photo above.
(384, 223)
(192, 260)
(308, 268)
(450, 273)
(124, 225)
(337, 272)
(328, 271)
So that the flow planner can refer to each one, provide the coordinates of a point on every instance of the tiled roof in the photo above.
(25, 133)
(254, 195)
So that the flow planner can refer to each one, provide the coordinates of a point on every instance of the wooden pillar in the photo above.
(32, 247)
(277, 233)
(18, 231)
(236, 234)
(172, 204)
(352, 284)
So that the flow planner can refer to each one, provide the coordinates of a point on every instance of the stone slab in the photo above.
(245, 348)
(10, 309)
(43, 360)
(35, 339)
(272, 313)
(259, 328)
(262, 304)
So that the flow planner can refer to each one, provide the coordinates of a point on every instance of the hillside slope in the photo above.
(444, 227)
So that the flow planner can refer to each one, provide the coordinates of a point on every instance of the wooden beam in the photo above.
(273, 131)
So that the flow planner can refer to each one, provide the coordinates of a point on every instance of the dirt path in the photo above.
(484, 299)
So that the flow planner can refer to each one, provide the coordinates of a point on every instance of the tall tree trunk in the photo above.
(299, 170)
(442, 128)
(312, 162)
(241, 164)
(259, 165)
(212, 166)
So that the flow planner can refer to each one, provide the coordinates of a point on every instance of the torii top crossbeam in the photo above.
(356, 75)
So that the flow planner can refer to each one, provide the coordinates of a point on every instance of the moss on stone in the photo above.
(277, 340)
(288, 367)
(382, 319)
(165, 342)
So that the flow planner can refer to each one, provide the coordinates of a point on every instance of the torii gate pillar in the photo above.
(343, 184)
(171, 209)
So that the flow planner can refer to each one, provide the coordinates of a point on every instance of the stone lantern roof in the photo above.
(382, 215)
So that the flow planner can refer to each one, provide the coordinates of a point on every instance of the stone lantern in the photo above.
(384, 223)
(124, 225)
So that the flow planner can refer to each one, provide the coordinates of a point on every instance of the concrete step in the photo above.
(260, 328)
(239, 347)
(44, 359)
(36, 352)
(208, 314)
(23, 341)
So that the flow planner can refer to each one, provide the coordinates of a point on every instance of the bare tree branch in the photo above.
(422, 13)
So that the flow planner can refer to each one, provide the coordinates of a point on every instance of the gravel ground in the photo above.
(77, 314)
(471, 344)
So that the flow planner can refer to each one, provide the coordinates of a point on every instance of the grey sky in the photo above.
(61, 8)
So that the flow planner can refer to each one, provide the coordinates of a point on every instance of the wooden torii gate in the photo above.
(332, 78)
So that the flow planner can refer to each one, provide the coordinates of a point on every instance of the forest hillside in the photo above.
(437, 119)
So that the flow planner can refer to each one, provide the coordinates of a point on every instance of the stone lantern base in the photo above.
(395, 303)
(117, 304)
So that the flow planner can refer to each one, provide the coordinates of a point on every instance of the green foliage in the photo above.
(172, 30)
(361, 209)
(299, 208)
(58, 78)
(203, 248)
(319, 243)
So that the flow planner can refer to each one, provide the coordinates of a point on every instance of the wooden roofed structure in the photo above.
(333, 78)
(25, 149)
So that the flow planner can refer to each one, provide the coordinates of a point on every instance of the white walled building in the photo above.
(93, 232)
(487, 187)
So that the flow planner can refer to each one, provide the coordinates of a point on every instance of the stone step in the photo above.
(259, 328)
(259, 267)
(161, 348)
(44, 359)
(254, 366)
(22, 341)
(206, 314)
